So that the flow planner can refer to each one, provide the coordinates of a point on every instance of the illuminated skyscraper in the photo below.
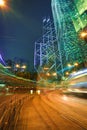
(69, 18)
(79, 14)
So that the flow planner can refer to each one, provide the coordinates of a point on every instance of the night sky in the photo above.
(21, 26)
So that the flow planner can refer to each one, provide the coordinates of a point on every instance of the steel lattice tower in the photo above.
(45, 54)
(70, 48)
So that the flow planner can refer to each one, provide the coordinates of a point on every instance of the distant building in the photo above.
(17, 65)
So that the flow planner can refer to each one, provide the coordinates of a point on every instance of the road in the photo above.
(46, 111)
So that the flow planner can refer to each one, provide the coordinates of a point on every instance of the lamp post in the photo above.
(20, 68)
(17, 66)
(24, 67)
(76, 64)
(73, 66)
(67, 73)
(2, 3)
(83, 36)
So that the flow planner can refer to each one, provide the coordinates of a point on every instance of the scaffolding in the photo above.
(45, 51)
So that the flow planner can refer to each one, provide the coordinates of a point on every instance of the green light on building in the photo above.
(69, 18)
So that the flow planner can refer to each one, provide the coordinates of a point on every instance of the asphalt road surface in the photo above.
(46, 111)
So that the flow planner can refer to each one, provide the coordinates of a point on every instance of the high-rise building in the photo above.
(79, 14)
(70, 17)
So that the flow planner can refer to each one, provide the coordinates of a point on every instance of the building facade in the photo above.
(70, 17)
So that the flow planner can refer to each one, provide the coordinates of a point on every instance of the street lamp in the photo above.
(76, 64)
(83, 35)
(17, 66)
(69, 65)
(54, 74)
(2, 3)
(46, 68)
(48, 74)
(67, 73)
(23, 67)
